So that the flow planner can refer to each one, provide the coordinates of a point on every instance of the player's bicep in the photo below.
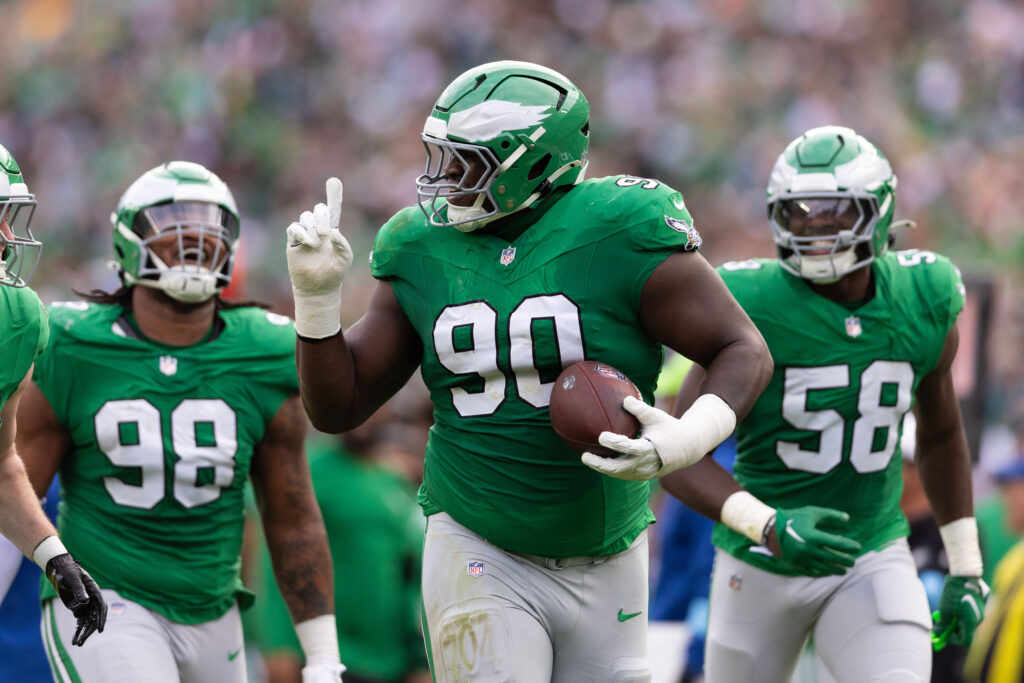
(345, 378)
(280, 471)
(385, 349)
(686, 305)
(937, 409)
(42, 441)
(8, 417)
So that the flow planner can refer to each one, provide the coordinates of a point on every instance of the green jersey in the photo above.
(826, 430)
(499, 316)
(162, 442)
(24, 338)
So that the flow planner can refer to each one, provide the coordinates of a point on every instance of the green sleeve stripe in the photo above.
(60, 661)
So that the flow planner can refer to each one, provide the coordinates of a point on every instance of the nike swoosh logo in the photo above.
(792, 532)
(627, 617)
(969, 599)
(679, 204)
(232, 655)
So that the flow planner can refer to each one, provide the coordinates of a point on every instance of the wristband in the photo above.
(49, 548)
(960, 538)
(317, 316)
(745, 514)
(319, 639)
(705, 424)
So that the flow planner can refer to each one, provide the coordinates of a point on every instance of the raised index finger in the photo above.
(334, 194)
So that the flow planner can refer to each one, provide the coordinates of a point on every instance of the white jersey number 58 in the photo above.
(830, 424)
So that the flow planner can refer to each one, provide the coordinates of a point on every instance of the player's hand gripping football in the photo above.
(961, 607)
(803, 541)
(322, 673)
(666, 443)
(319, 257)
(80, 594)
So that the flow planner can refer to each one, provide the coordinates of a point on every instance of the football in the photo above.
(587, 400)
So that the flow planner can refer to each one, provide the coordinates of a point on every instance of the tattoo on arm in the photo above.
(292, 521)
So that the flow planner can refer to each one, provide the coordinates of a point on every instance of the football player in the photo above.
(511, 268)
(860, 335)
(156, 403)
(22, 520)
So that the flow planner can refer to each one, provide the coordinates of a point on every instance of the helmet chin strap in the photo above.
(468, 218)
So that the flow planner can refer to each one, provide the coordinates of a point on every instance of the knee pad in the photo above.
(900, 597)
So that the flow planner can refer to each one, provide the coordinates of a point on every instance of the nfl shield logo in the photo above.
(609, 372)
(475, 568)
(735, 582)
(508, 255)
(168, 365)
(853, 326)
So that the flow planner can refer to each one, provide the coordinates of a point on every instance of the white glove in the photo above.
(322, 673)
(666, 444)
(319, 257)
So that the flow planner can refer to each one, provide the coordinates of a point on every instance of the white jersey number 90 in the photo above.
(481, 357)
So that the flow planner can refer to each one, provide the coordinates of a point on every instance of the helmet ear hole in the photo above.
(538, 168)
(505, 144)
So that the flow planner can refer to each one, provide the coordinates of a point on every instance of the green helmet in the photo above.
(527, 127)
(187, 214)
(830, 203)
(19, 250)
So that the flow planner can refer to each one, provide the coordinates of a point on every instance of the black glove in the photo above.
(79, 593)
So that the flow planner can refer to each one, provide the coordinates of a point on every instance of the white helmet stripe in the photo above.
(514, 156)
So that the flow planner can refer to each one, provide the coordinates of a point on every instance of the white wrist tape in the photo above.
(317, 316)
(960, 538)
(48, 548)
(707, 423)
(319, 639)
(744, 513)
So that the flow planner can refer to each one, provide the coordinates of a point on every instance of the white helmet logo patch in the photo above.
(490, 119)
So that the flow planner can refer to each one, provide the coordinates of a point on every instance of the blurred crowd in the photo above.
(278, 95)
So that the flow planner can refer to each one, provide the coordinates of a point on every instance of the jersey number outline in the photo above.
(829, 423)
(146, 452)
(481, 358)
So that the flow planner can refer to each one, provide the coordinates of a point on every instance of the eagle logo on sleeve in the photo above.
(693, 240)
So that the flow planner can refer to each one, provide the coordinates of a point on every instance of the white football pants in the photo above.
(495, 616)
(871, 624)
(140, 646)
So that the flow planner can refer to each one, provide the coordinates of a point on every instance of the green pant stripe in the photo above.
(53, 642)
(48, 644)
